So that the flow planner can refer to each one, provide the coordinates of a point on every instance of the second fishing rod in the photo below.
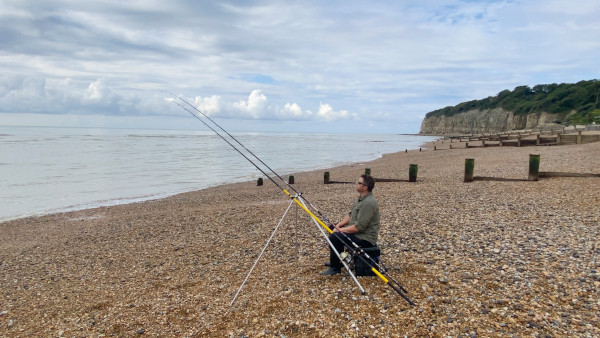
(258, 159)
(376, 268)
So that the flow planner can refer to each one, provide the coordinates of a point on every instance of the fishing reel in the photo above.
(346, 257)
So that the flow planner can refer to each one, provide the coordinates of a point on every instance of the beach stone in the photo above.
(509, 272)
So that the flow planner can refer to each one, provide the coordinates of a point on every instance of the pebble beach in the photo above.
(490, 258)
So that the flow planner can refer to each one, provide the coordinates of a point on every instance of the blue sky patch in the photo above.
(257, 78)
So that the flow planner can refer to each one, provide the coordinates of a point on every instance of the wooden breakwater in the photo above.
(412, 176)
(534, 174)
(521, 138)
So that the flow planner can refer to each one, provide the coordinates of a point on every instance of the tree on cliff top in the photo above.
(582, 97)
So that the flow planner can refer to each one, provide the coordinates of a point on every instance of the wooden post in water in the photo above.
(291, 179)
(413, 169)
(469, 169)
(326, 177)
(368, 171)
(534, 167)
(259, 182)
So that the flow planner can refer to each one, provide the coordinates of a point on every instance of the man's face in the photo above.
(360, 185)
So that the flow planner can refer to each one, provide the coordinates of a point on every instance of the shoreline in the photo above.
(89, 192)
(490, 258)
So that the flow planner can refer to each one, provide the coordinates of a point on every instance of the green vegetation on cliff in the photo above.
(582, 97)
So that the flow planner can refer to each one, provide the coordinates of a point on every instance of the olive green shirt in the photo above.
(365, 216)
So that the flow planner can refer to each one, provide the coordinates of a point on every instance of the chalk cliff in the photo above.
(486, 121)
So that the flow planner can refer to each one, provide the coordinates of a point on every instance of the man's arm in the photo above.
(342, 223)
(364, 218)
(352, 229)
(341, 226)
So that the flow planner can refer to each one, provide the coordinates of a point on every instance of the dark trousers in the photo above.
(336, 239)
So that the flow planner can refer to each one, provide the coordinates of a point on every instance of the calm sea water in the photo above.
(46, 170)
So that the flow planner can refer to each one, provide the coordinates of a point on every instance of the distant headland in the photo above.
(540, 107)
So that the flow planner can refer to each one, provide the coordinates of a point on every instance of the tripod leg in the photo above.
(260, 255)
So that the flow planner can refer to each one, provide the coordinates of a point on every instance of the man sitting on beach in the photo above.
(361, 225)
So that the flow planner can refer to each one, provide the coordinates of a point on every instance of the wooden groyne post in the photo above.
(326, 177)
(291, 179)
(413, 169)
(534, 167)
(259, 182)
(368, 171)
(469, 169)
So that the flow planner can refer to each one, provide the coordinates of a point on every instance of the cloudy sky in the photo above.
(315, 66)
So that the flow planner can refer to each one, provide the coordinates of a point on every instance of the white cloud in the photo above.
(328, 114)
(65, 96)
(97, 92)
(313, 61)
(293, 110)
(210, 106)
(23, 94)
(257, 106)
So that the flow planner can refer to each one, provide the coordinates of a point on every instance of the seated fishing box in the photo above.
(363, 269)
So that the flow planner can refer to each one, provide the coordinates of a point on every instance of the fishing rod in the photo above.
(347, 242)
(258, 159)
(236, 149)
(355, 249)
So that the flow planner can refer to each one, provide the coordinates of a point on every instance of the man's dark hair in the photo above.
(368, 181)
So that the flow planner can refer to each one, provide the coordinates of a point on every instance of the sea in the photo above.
(45, 170)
